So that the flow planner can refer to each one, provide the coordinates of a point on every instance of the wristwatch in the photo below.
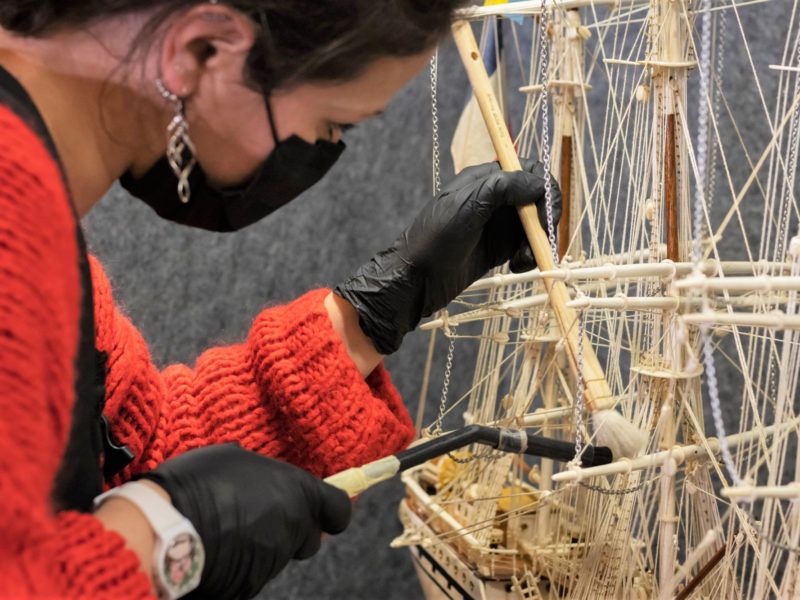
(178, 557)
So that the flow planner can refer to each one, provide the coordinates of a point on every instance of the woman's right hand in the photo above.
(254, 514)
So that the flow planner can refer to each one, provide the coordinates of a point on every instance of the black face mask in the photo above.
(292, 167)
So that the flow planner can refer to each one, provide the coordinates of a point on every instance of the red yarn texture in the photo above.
(289, 391)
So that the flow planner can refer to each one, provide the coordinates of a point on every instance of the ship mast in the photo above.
(568, 85)
(669, 62)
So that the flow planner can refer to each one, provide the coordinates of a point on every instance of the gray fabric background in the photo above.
(189, 290)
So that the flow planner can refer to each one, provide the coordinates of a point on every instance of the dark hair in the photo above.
(303, 40)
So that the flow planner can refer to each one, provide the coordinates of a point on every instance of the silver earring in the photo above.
(180, 149)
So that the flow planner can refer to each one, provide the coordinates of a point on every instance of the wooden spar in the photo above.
(774, 319)
(539, 417)
(623, 302)
(426, 380)
(568, 81)
(665, 269)
(671, 190)
(511, 307)
(597, 391)
(679, 453)
(667, 519)
(790, 491)
(669, 69)
(691, 560)
(565, 180)
(528, 7)
(759, 283)
(669, 45)
(701, 574)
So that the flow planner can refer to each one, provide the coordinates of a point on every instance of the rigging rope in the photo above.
(697, 251)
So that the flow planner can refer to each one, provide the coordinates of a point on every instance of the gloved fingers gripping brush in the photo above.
(253, 514)
(356, 480)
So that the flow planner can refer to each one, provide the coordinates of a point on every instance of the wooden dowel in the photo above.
(701, 575)
(789, 491)
(623, 302)
(597, 391)
(565, 181)
(540, 416)
(774, 319)
(679, 453)
(529, 7)
(671, 190)
(758, 283)
(610, 270)
(426, 380)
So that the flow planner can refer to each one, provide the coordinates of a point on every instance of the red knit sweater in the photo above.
(290, 391)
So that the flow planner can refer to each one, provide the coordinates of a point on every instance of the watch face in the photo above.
(183, 559)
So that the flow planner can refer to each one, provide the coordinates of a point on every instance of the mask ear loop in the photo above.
(271, 121)
(268, 49)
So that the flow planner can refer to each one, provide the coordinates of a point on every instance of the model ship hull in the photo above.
(452, 563)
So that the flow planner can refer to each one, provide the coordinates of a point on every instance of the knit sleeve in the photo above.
(289, 391)
(71, 555)
(42, 554)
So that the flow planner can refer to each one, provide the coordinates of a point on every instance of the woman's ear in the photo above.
(205, 38)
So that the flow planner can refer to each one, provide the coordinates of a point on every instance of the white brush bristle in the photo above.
(617, 433)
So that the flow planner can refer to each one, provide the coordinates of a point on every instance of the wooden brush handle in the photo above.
(597, 392)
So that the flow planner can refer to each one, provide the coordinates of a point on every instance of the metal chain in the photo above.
(579, 391)
(436, 167)
(437, 184)
(436, 180)
(794, 134)
(548, 193)
(436, 429)
(488, 455)
(788, 196)
(602, 490)
(437, 424)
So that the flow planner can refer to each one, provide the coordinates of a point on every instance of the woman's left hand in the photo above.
(471, 227)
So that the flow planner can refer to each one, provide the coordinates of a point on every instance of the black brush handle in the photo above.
(591, 456)
(439, 446)
(516, 441)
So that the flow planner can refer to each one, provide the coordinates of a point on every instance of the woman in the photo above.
(215, 114)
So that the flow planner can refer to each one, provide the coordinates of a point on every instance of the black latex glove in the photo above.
(254, 514)
(471, 227)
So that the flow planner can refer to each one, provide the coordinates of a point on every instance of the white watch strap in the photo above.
(160, 513)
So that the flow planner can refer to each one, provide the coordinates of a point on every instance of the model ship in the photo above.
(704, 509)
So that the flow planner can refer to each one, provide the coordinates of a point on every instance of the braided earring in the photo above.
(180, 149)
